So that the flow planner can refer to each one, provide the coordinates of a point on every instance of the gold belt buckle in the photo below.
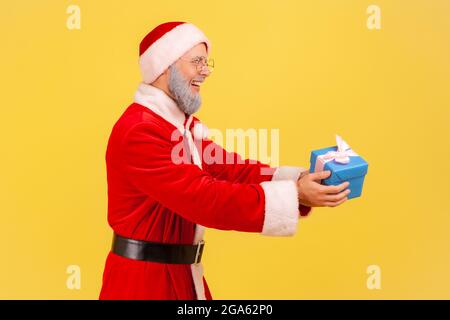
(199, 245)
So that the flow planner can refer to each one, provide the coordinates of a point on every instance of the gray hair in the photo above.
(188, 101)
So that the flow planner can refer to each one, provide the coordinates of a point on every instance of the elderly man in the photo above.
(159, 206)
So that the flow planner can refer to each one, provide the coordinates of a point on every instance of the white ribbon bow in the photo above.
(342, 155)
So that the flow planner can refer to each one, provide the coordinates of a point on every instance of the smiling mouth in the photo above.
(196, 83)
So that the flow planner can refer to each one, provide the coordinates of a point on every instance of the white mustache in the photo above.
(199, 79)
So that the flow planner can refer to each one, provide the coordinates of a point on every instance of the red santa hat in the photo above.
(166, 44)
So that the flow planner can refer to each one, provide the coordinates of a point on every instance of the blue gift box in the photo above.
(353, 172)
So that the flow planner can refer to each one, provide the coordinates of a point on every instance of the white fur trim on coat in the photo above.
(156, 100)
(200, 131)
(281, 208)
(287, 173)
(197, 269)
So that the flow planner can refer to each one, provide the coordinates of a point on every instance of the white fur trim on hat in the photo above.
(281, 208)
(168, 49)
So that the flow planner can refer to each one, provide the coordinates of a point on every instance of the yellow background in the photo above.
(310, 68)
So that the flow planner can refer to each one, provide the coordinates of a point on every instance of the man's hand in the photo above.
(312, 194)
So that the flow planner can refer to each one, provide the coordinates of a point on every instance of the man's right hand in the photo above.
(313, 194)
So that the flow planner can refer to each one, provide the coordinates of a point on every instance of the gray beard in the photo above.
(180, 88)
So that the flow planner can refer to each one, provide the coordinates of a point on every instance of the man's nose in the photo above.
(205, 71)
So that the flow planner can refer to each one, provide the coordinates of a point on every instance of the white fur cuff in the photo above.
(287, 173)
(281, 208)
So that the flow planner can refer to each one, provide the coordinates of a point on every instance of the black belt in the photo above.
(156, 251)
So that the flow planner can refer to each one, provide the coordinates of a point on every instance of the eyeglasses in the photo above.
(201, 62)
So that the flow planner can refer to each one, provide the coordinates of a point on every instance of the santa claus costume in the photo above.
(156, 199)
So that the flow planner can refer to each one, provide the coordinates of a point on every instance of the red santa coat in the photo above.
(154, 196)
